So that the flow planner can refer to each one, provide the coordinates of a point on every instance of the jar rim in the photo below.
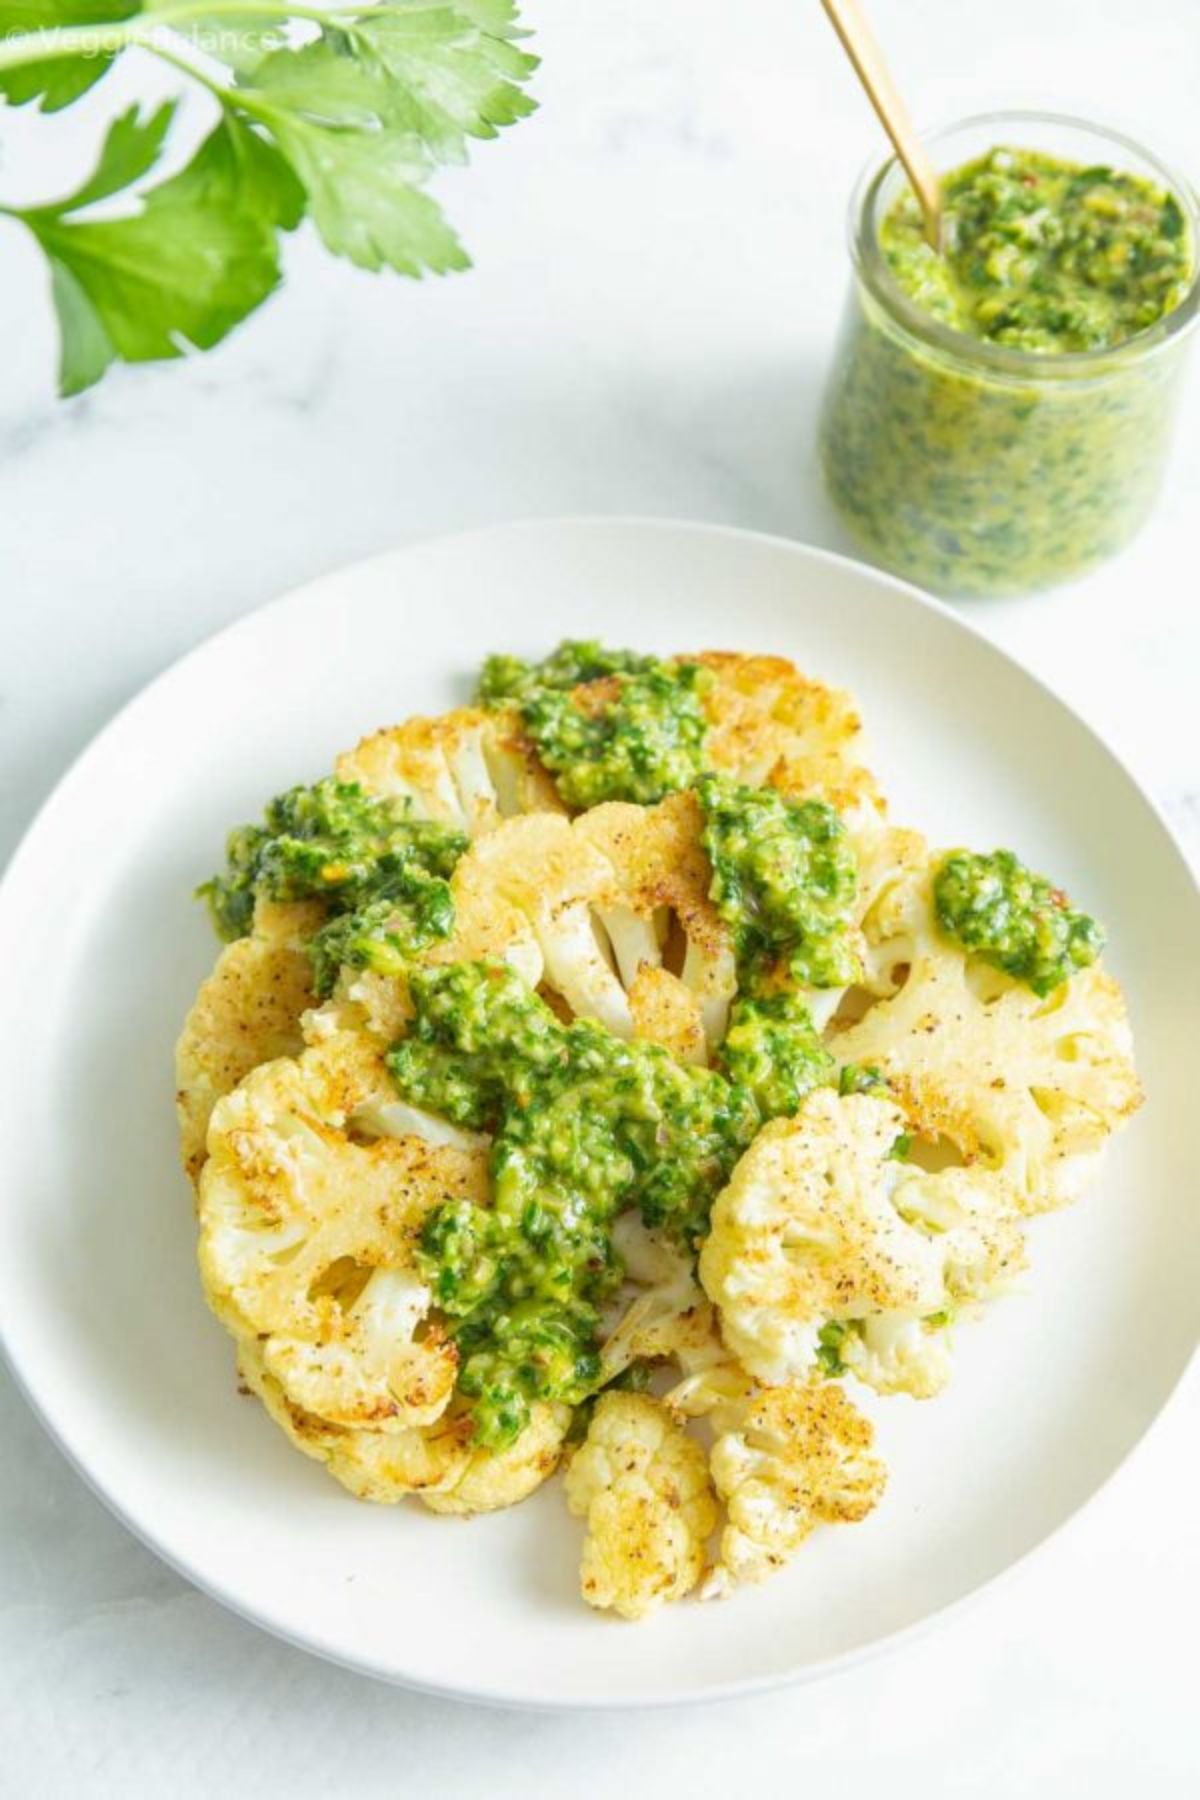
(871, 265)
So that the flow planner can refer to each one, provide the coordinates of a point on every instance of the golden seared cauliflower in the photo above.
(784, 1460)
(1029, 1085)
(664, 1314)
(826, 1252)
(436, 1463)
(308, 1239)
(659, 880)
(588, 906)
(642, 1485)
(492, 1479)
(888, 858)
(374, 1465)
(769, 725)
(665, 1011)
(246, 1012)
(467, 769)
(522, 895)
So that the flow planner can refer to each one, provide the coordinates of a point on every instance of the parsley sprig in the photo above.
(339, 113)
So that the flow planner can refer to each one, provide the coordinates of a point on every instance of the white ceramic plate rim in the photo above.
(23, 1369)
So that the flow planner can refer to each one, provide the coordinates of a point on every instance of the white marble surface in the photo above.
(659, 268)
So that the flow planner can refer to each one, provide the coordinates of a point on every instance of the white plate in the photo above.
(101, 1311)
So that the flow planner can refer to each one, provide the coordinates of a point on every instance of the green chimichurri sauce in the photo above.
(785, 877)
(1042, 254)
(638, 738)
(585, 1126)
(772, 1048)
(1013, 919)
(508, 678)
(383, 876)
(976, 478)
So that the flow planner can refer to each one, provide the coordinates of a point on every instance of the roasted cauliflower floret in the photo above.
(491, 1479)
(308, 1239)
(667, 1317)
(374, 1465)
(889, 859)
(438, 1463)
(248, 1011)
(467, 768)
(586, 906)
(769, 725)
(375, 1006)
(785, 1460)
(642, 1485)
(494, 920)
(822, 1237)
(1029, 1086)
(665, 1011)
(659, 873)
(895, 1353)
(532, 883)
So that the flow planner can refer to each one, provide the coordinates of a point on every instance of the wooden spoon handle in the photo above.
(860, 45)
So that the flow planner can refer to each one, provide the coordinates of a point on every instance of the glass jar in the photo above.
(974, 468)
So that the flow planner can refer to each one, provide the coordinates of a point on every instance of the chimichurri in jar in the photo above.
(999, 412)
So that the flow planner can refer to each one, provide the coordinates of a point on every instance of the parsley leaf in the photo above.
(130, 150)
(339, 112)
(331, 117)
(455, 69)
(60, 80)
(198, 257)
